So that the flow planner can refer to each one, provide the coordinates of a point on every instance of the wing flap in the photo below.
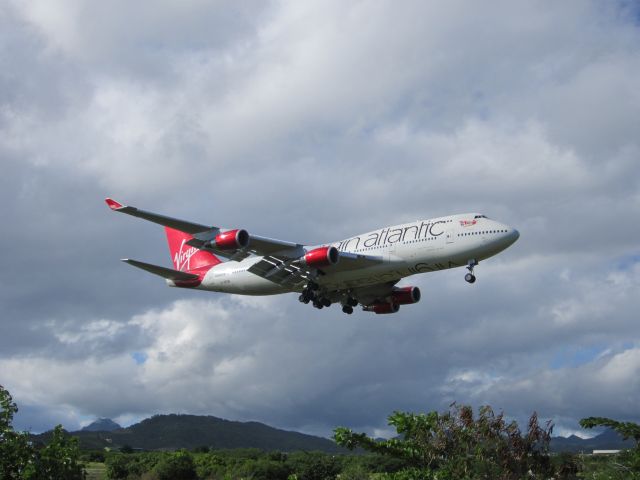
(163, 272)
(279, 270)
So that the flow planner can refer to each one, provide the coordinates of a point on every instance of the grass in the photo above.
(95, 471)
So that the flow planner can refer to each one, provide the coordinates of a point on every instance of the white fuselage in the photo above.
(408, 249)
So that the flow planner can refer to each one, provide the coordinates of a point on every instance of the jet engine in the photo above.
(231, 239)
(321, 257)
(382, 307)
(405, 295)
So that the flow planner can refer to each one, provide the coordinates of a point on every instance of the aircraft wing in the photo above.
(182, 225)
(289, 272)
(202, 234)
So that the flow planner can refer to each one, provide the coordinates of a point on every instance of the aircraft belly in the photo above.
(383, 273)
(243, 283)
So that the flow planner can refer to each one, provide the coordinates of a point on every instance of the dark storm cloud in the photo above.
(311, 122)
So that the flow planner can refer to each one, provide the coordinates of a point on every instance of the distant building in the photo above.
(605, 452)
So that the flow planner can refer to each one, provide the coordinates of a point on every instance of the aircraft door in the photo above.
(450, 235)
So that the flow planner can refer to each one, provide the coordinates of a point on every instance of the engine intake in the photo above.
(231, 239)
(405, 295)
(382, 308)
(321, 257)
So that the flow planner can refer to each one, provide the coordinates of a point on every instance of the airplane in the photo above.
(360, 270)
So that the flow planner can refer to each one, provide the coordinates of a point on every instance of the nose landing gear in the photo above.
(470, 277)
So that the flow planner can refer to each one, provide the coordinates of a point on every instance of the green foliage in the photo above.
(59, 459)
(622, 466)
(123, 466)
(566, 465)
(96, 456)
(626, 429)
(176, 466)
(117, 467)
(15, 451)
(456, 445)
(314, 466)
(625, 465)
(210, 466)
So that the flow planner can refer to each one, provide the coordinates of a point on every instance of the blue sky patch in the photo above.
(139, 357)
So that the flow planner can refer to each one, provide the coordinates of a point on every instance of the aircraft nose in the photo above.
(515, 233)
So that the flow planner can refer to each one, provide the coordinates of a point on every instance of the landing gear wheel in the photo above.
(470, 277)
(318, 305)
(303, 298)
(325, 302)
(348, 309)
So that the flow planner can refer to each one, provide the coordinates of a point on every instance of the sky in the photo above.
(312, 122)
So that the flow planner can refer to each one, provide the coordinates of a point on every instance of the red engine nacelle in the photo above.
(382, 307)
(231, 239)
(321, 257)
(405, 295)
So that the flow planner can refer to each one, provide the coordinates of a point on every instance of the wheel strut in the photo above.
(470, 277)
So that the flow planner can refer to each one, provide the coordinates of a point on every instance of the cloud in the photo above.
(311, 122)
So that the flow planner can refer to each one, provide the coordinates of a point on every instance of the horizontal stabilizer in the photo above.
(175, 223)
(167, 273)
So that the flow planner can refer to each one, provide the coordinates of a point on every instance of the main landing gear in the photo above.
(310, 294)
(470, 277)
(349, 303)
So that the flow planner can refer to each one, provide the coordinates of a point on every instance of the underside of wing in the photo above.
(289, 271)
(282, 270)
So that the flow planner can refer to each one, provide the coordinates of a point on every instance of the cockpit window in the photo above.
(480, 216)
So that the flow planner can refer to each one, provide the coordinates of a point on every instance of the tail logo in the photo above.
(182, 258)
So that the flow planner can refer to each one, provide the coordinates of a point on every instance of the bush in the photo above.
(314, 466)
(177, 466)
(454, 445)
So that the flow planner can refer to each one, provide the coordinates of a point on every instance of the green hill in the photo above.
(171, 432)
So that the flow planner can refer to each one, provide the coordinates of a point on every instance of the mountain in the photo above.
(172, 432)
(102, 425)
(607, 440)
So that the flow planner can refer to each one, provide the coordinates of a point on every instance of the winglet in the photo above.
(113, 205)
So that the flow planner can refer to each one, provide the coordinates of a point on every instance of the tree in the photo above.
(454, 444)
(58, 460)
(626, 429)
(15, 450)
(627, 464)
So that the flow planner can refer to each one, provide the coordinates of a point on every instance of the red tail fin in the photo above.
(185, 257)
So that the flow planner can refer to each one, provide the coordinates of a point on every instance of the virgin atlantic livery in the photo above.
(359, 270)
